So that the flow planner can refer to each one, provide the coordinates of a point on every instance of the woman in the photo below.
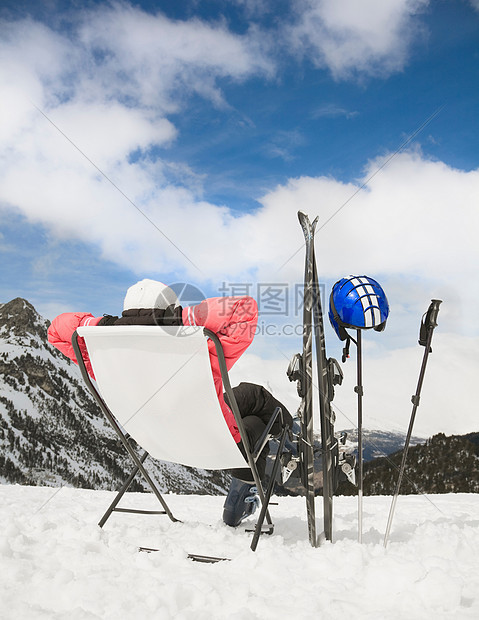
(149, 302)
(233, 319)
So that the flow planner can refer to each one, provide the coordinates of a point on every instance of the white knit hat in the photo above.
(149, 294)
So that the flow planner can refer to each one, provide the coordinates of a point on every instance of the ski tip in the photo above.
(305, 221)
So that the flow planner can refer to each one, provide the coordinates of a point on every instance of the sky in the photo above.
(178, 140)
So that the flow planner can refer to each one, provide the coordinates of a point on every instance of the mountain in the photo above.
(375, 444)
(51, 430)
(381, 443)
(441, 465)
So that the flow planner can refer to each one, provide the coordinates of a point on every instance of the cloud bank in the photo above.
(112, 83)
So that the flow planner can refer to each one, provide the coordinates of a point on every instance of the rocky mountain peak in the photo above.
(19, 318)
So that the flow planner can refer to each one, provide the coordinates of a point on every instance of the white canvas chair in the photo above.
(155, 385)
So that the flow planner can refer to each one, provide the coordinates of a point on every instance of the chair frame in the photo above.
(252, 453)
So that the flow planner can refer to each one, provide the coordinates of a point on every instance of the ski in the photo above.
(306, 443)
(209, 559)
(335, 461)
(329, 374)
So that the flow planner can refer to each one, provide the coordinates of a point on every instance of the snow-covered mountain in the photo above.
(378, 443)
(51, 430)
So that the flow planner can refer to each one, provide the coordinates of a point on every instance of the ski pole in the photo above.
(428, 324)
(359, 391)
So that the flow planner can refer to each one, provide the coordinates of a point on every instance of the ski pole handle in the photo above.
(431, 317)
(430, 321)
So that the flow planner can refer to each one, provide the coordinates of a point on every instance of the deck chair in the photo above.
(154, 384)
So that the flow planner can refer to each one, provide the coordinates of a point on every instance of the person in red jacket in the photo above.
(149, 302)
(233, 319)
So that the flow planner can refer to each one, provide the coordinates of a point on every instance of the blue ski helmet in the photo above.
(358, 302)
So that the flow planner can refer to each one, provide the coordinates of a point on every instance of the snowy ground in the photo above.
(56, 563)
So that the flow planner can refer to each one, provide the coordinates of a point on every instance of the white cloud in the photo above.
(331, 110)
(113, 78)
(371, 37)
(447, 395)
(270, 373)
(415, 222)
(283, 144)
(109, 84)
(111, 132)
(162, 59)
(417, 217)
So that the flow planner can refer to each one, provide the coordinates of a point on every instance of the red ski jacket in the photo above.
(233, 319)
(61, 331)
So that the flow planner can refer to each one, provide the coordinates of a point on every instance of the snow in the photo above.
(56, 563)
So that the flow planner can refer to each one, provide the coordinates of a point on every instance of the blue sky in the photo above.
(219, 120)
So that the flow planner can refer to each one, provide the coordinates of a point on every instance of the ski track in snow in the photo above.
(57, 564)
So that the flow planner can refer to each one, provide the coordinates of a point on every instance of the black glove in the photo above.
(108, 320)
